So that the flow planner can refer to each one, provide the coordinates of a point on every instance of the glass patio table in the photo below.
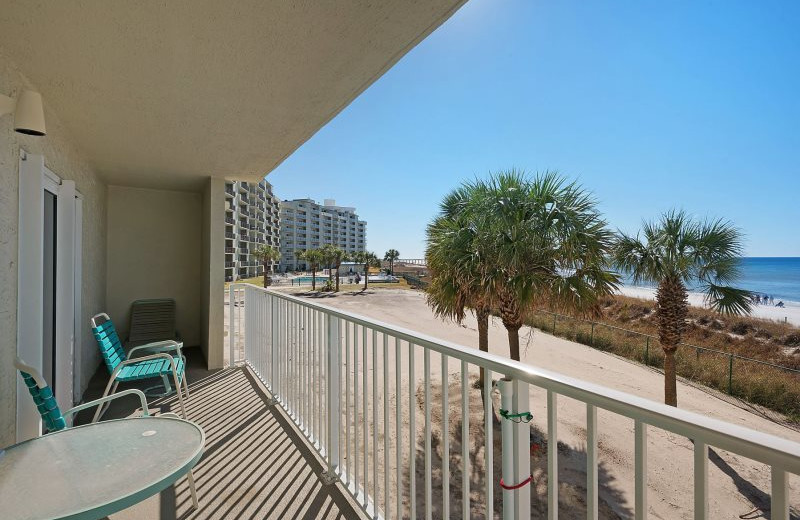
(92, 471)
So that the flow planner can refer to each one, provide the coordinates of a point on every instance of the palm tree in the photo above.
(313, 257)
(326, 255)
(267, 255)
(390, 256)
(543, 243)
(673, 252)
(369, 260)
(299, 255)
(338, 256)
(457, 272)
(332, 257)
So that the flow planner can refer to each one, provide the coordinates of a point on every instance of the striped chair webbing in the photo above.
(109, 344)
(45, 403)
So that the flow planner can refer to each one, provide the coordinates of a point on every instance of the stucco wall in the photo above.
(68, 163)
(154, 251)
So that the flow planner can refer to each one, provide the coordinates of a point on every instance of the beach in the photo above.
(737, 486)
(790, 313)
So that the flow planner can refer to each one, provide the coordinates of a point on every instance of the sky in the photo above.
(649, 105)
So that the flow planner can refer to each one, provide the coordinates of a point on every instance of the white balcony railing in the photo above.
(350, 384)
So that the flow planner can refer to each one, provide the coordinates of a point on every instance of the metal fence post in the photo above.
(647, 351)
(730, 374)
(554, 324)
(332, 411)
(591, 337)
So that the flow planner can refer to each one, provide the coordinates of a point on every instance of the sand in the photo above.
(790, 313)
(737, 486)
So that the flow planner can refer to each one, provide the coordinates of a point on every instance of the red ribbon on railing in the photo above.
(517, 486)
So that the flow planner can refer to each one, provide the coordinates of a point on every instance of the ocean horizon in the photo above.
(778, 277)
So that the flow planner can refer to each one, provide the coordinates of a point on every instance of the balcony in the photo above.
(340, 382)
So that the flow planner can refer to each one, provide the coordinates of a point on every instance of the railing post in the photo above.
(273, 350)
(506, 446)
(647, 351)
(333, 376)
(522, 452)
(515, 448)
(231, 327)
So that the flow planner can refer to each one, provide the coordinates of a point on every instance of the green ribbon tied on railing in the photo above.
(516, 417)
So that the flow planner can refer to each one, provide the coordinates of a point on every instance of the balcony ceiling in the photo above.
(163, 94)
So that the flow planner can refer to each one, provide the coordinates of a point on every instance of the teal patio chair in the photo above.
(54, 420)
(125, 368)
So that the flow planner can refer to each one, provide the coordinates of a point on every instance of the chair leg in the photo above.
(112, 385)
(185, 384)
(190, 478)
(180, 394)
(167, 387)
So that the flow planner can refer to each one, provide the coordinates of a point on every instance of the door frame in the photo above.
(34, 179)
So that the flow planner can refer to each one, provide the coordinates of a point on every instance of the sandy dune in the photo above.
(738, 486)
(790, 313)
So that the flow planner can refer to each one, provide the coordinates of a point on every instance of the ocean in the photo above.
(778, 277)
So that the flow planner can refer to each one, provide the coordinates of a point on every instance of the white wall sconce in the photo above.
(28, 112)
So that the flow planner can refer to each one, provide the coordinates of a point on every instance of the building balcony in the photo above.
(284, 441)
(228, 234)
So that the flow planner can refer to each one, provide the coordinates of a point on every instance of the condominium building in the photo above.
(251, 220)
(308, 225)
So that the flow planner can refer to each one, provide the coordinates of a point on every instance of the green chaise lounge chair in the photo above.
(54, 420)
(125, 368)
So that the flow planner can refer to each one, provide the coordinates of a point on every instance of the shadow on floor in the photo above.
(255, 464)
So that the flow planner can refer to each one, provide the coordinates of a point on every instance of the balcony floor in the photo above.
(255, 464)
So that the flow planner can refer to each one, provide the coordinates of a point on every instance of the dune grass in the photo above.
(625, 322)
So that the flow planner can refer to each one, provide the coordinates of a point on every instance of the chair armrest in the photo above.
(159, 346)
(102, 400)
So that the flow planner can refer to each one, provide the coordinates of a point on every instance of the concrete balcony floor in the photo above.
(255, 465)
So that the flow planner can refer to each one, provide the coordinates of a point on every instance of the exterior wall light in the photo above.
(28, 112)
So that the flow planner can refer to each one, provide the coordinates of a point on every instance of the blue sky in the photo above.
(650, 105)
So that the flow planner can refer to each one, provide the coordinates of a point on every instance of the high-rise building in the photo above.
(307, 225)
(252, 219)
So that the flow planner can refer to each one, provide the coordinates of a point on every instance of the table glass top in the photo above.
(99, 467)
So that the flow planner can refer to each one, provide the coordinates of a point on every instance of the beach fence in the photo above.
(755, 380)
(415, 281)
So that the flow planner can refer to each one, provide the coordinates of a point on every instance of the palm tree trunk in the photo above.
(366, 276)
(672, 308)
(482, 315)
(265, 276)
(337, 279)
(511, 315)
(513, 342)
(670, 379)
(313, 278)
